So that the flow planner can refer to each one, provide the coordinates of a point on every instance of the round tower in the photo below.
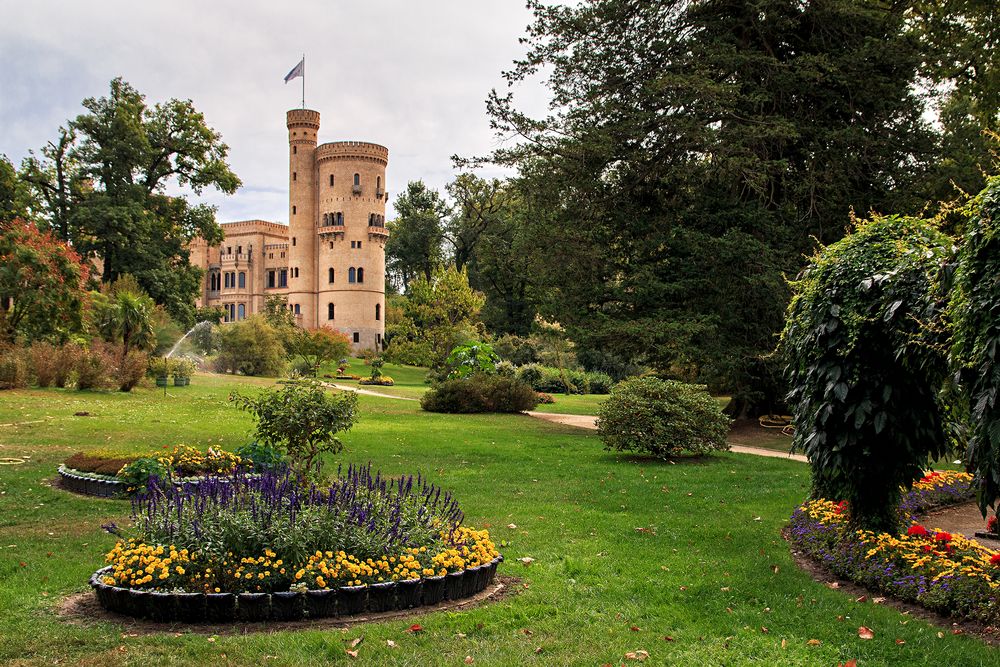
(351, 240)
(303, 126)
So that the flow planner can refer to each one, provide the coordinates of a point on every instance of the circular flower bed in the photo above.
(112, 475)
(266, 547)
(944, 572)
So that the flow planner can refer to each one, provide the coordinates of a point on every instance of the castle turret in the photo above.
(303, 126)
(352, 236)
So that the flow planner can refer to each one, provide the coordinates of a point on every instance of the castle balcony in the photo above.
(380, 193)
(235, 258)
(356, 189)
(377, 232)
(330, 231)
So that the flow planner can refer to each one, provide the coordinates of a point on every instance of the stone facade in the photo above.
(329, 261)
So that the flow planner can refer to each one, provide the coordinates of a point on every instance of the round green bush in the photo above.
(663, 418)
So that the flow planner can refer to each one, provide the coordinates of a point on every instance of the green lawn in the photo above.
(574, 404)
(409, 380)
(708, 569)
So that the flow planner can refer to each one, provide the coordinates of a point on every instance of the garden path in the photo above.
(366, 392)
(964, 519)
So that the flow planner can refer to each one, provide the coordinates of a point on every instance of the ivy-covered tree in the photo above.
(975, 312)
(866, 361)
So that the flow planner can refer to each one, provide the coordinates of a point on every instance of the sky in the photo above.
(412, 76)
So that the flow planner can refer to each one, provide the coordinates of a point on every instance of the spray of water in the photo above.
(190, 331)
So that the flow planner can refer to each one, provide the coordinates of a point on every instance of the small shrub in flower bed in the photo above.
(382, 381)
(944, 572)
(270, 534)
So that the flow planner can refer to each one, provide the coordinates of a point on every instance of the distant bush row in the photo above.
(99, 365)
(554, 381)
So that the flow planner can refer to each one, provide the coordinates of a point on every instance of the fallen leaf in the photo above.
(878, 600)
(729, 610)
(956, 631)
(527, 560)
(351, 653)
(849, 663)
(512, 526)
(635, 628)
(784, 643)
(357, 640)
(813, 642)
(684, 588)
(724, 589)
(832, 584)
(639, 655)
(863, 598)
(538, 650)
(390, 643)
(774, 568)
(416, 627)
(865, 633)
(900, 642)
(460, 635)
(527, 632)
(764, 630)
(940, 635)
(211, 639)
(668, 638)
(469, 660)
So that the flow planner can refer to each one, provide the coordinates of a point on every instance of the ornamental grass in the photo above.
(944, 572)
(267, 533)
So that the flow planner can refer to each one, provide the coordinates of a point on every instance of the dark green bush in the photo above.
(480, 393)
(261, 456)
(552, 380)
(251, 347)
(600, 383)
(663, 418)
(518, 350)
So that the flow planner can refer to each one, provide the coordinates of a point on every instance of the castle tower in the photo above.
(351, 233)
(303, 126)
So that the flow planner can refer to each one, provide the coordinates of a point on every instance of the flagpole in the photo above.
(303, 81)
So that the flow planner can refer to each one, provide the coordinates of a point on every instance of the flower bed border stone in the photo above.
(282, 606)
(103, 486)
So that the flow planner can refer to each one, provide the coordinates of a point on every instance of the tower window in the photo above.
(361, 275)
(378, 182)
(295, 150)
(331, 274)
(359, 244)
(295, 272)
(329, 311)
(283, 278)
(293, 238)
(357, 179)
(295, 176)
(294, 209)
(331, 180)
(351, 275)
(297, 311)
(378, 311)
(243, 281)
(270, 278)
(241, 312)
(357, 337)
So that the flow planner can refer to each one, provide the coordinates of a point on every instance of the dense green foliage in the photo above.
(251, 347)
(691, 154)
(303, 419)
(866, 362)
(480, 393)
(125, 314)
(414, 246)
(104, 183)
(662, 418)
(314, 347)
(975, 311)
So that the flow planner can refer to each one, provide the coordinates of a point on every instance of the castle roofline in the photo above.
(237, 225)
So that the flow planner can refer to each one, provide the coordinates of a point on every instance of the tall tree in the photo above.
(415, 236)
(479, 205)
(692, 153)
(15, 198)
(104, 184)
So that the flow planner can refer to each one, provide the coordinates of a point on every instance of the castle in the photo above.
(329, 260)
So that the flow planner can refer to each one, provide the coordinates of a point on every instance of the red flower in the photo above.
(991, 524)
(840, 507)
(917, 529)
(995, 559)
(942, 537)
(927, 547)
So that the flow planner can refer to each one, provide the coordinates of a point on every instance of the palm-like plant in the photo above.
(128, 317)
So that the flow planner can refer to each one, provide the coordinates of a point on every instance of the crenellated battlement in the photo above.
(352, 150)
(302, 118)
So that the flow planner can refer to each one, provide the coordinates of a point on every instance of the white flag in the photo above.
(297, 71)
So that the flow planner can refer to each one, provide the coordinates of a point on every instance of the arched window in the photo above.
(241, 312)
(329, 311)
(378, 182)
(227, 280)
(378, 311)
(361, 275)
(243, 281)
(357, 179)
(293, 238)
(331, 274)
(340, 217)
(297, 311)
(351, 275)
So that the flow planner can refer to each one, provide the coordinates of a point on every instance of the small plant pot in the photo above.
(382, 597)
(190, 607)
(288, 606)
(321, 603)
(220, 607)
(162, 607)
(253, 607)
(432, 590)
(454, 585)
(141, 603)
(161, 381)
(351, 600)
(470, 583)
(408, 593)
